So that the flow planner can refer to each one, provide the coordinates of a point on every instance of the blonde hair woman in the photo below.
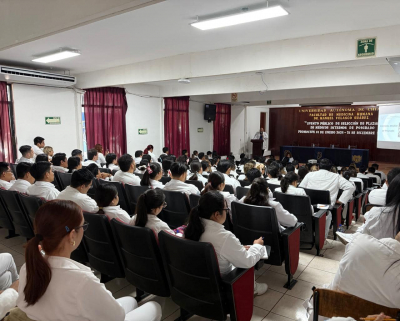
(48, 150)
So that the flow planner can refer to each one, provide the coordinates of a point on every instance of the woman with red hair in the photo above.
(149, 151)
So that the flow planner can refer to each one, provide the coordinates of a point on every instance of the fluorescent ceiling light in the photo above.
(243, 17)
(62, 54)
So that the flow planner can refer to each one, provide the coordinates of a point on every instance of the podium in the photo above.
(257, 147)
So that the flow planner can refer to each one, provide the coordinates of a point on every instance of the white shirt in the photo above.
(230, 252)
(274, 181)
(241, 177)
(25, 160)
(200, 178)
(383, 175)
(100, 159)
(137, 160)
(86, 203)
(292, 190)
(380, 278)
(20, 185)
(153, 157)
(119, 214)
(73, 294)
(126, 178)
(231, 181)
(357, 179)
(324, 180)
(377, 196)
(379, 223)
(178, 186)
(265, 138)
(360, 175)
(45, 190)
(60, 169)
(378, 179)
(229, 198)
(5, 185)
(37, 150)
(88, 162)
(8, 300)
(154, 223)
(156, 184)
(112, 167)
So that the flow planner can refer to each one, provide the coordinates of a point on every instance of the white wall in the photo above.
(33, 103)
(253, 123)
(238, 139)
(144, 112)
(202, 142)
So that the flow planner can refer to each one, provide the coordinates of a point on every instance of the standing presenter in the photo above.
(264, 136)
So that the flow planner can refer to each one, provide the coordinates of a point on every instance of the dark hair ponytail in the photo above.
(110, 157)
(53, 221)
(214, 180)
(393, 201)
(152, 198)
(105, 193)
(287, 180)
(209, 203)
(150, 172)
(195, 169)
(258, 194)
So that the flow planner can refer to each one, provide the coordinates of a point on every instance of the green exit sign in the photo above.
(142, 131)
(366, 47)
(52, 120)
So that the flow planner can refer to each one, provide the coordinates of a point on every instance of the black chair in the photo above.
(165, 179)
(196, 284)
(244, 183)
(56, 182)
(313, 230)
(123, 199)
(241, 192)
(177, 211)
(30, 204)
(64, 179)
(141, 259)
(250, 222)
(13, 168)
(101, 247)
(22, 223)
(229, 188)
(133, 193)
(139, 175)
(198, 184)
(369, 206)
(92, 190)
(358, 197)
(194, 200)
(105, 170)
(6, 219)
(102, 164)
(272, 187)
(378, 174)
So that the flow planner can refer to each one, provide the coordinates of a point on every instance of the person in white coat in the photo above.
(125, 175)
(28, 155)
(60, 163)
(206, 225)
(92, 157)
(54, 287)
(24, 178)
(74, 163)
(264, 136)
(274, 175)
(6, 176)
(149, 205)
(289, 185)
(377, 171)
(178, 178)
(43, 186)
(100, 154)
(149, 150)
(111, 162)
(81, 182)
(378, 195)
(38, 145)
(371, 173)
(324, 180)
(152, 176)
(224, 166)
(9, 281)
(197, 173)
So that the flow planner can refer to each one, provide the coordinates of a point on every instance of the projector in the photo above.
(184, 81)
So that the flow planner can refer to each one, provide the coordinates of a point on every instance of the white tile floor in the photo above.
(278, 304)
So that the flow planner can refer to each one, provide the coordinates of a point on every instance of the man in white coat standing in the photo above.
(264, 136)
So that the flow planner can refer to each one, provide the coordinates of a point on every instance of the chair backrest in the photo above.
(92, 190)
(244, 183)
(22, 223)
(366, 183)
(251, 221)
(123, 199)
(133, 193)
(13, 167)
(6, 220)
(194, 278)
(241, 191)
(194, 200)
(30, 204)
(101, 247)
(372, 180)
(378, 174)
(177, 211)
(141, 258)
(331, 303)
(318, 196)
(64, 179)
(229, 188)
(198, 184)
(299, 206)
(165, 179)
(105, 170)
(56, 181)
(114, 171)
(272, 187)
(358, 187)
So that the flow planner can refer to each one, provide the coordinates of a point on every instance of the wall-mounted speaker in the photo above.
(210, 112)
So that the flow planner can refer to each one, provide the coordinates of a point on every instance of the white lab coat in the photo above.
(378, 179)
(112, 167)
(25, 160)
(86, 203)
(137, 160)
(88, 162)
(126, 178)
(357, 179)
(379, 223)
(8, 300)
(44, 190)
(59, 169)
(229, 198)
(292, 190)
(156, 184)
(367, 271)
(100, 159)
(5, 185)
(37, 150)
(265, 139)
(153, 157)
(383, 175)
(178, 186)
(154, 223)
(20, 185)
(119, 214)
(377, 196)
(231, 181)
(274, 181)
(230, 252)
(360, 175)
(200, 178)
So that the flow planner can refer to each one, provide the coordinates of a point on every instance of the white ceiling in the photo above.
(163, 30)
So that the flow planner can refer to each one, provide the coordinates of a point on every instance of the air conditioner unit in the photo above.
(27, 76)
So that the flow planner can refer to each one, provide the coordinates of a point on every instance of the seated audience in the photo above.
(74, 163)
(314, 168)
(216, 182)
(9, 281)
(178, 178)
(6, 176)
(289, 185)
(362, 171)
(48, 150)
(274, 175)
(206, 167)
(149, 151)
(288, 158)
(206, 225)
(54, 287)
(251, 175)
(41, 158)
(138, 156)
(195, 156)
(43, 186)
(354, 178)
(125, 174)
(149, 205)
(296, 166)
(378, 195)
(334, 169)
(141, 168)
(100, 154)
(166, 165)
(152, 176)
(77, 153)
(246, 167)
(185, 153)
(165, 153)
(209, 154)
(383, 175)
(290, 168)
(259, 195)
(224, 167)
(27, 154)
(81, 182)
(92, 157)
(111, 162)
(24, 178)
(60, 163)
(107, 200)
(94, 169)
(303, 171)
(202, 157)
(371, 173)
(38, 145)
(197, 171)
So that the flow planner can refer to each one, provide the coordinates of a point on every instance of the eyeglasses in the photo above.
(84, 227)
(164, 205)
(227, 210)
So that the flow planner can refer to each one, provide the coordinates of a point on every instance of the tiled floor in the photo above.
(278, 304)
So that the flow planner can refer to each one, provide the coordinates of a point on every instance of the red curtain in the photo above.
(105, 110)
(6, 154)
(222, 129)
(176, 125)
